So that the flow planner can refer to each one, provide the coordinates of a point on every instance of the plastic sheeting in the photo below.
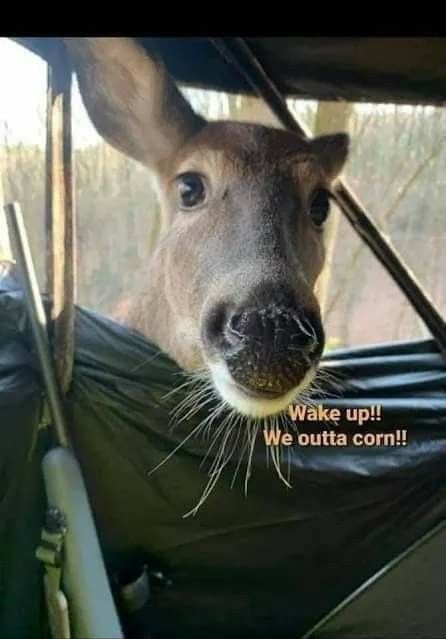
(271, 563)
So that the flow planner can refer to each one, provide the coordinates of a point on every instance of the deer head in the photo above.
(230, 287)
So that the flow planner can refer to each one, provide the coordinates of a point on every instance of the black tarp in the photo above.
(401, 70)
(267, 565)
(406, 598)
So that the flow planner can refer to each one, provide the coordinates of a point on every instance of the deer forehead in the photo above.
(227, 151)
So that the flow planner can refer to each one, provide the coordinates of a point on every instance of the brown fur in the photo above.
(254, 228)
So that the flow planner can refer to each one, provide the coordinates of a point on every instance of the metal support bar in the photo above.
(238, 53)
(22, 253)
(60, 213)
(93, 612)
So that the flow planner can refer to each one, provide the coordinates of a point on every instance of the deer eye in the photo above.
(191, 190)
(319, 207)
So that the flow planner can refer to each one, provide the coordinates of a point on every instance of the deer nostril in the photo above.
(247, 325)
(277, 327)
(274, 331)
(304, 334)
(235, 324)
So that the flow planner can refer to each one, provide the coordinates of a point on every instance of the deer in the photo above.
(232, 288)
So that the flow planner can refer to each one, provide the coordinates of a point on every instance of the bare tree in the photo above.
(330, 118)
(5, 248)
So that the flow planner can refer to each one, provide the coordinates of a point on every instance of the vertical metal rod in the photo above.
(239, 54)
(60, 213)
(36, 311)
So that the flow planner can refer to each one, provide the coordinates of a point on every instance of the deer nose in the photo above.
(268, 350)
(274, 327)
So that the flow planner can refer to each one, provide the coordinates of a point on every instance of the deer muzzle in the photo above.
(263, 356)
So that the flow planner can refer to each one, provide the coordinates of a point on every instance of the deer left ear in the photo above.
(332, 151)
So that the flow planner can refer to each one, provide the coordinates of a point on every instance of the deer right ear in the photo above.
(332, 150)
(131, 100)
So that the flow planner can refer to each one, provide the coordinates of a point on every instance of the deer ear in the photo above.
(332, 151)
(131, 100)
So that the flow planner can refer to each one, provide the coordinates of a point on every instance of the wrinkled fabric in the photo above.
(269, 563)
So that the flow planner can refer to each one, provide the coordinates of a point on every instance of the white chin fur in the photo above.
(251, 406)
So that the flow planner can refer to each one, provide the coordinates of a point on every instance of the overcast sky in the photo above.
(23, 95)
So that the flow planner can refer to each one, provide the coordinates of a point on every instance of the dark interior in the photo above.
(399, 70)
